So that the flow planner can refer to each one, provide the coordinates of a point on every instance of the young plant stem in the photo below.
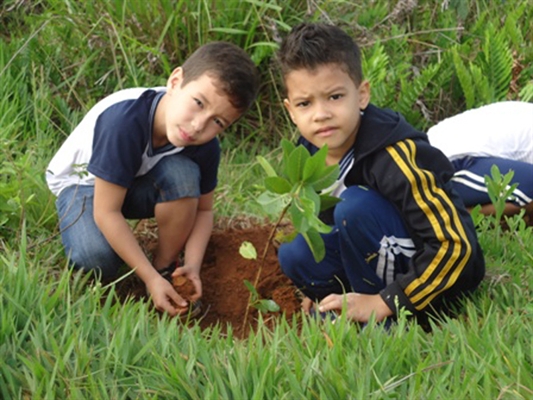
(262, 261)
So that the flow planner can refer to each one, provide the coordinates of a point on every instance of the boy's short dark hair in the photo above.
(235, 72)
(310, 45)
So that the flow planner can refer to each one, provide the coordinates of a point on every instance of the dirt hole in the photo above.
(225, 297)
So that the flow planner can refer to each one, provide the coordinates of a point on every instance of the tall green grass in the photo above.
(63, 338)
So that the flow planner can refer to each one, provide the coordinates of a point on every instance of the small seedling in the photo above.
(263, 305)
(499, 190)
(300, 191)
(247, 250)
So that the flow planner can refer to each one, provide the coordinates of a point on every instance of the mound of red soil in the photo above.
(225, 297)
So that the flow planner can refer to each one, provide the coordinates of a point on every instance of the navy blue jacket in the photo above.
(397, 160)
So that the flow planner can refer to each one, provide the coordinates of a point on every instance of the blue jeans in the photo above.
(172, 178)
(469, 182)
(368, 246)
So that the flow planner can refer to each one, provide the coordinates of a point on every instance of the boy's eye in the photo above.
(198, 102)
(219, 123)
(302, 104)
(336, 96)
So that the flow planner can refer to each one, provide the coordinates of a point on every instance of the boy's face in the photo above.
(325, 105)
(197, 112)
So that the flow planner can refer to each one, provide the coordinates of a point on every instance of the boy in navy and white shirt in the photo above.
(151, 152)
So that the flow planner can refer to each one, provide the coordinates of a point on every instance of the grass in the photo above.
(63, 338)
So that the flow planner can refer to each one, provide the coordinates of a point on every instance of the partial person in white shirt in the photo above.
(498, 134)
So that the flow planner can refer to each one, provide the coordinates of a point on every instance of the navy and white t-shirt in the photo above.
(114, 142)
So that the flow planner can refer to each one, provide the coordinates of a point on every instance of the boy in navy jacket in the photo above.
(401, 236)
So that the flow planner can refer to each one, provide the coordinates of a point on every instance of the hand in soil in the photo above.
(307, 304)
(164, 296)
(359, 306)
(187, 283)
(186, 289)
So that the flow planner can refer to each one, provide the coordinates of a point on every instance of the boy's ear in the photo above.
(175, 79)
(364, 94)
(287, 105)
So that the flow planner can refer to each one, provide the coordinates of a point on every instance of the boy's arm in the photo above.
(197, 243)
(412, 175)
(108, 201)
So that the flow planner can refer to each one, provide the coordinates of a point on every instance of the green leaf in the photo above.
(315, 165)
(499, 189)
(498, 65)
(230, 31)
(327, 201)
(295, 164)
(307, 192)
(266, 166)
(298, 219)
(267, 305)
(328, 178)
(316, 244)
(247, 250)
(265, 4)
(465, 78)
(288, 147)
(526, 94)
(273, 204)
(413, 88)
(476, 215)
(481, 85)
(277, 184)
(251, 289)
(316, 224)
(495, 172)
(376, 67)
(308, 207)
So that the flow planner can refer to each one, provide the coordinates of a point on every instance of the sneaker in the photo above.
(167, 272)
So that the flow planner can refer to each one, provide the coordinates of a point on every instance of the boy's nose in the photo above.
(198, 123)
(322, 112)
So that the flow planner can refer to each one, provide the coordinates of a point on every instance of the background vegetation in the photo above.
(427, 59)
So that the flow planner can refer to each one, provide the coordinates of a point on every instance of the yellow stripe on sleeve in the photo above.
(428, 188)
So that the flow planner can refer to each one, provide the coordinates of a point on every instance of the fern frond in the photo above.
(465, 79)
(513, 25)
(376, 65)
(484, 92)
(526, 94)
(498, 64)
(375, 68)
(411, 90)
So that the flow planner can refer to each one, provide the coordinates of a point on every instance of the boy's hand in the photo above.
(307, 304)
(359, 307)
(162, 293)
(194, 276)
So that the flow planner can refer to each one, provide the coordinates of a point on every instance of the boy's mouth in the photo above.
(185, 136)
(326, 131)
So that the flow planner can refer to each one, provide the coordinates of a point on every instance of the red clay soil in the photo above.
(225, 297)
